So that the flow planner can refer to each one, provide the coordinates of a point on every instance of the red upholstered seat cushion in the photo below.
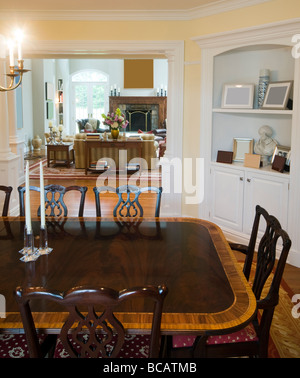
(15, 346)
(135, 346)
(246, 334)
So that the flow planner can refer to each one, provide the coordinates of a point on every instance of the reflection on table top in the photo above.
(207, 290)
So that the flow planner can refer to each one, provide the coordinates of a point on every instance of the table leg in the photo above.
(68, 158)
(86, 157)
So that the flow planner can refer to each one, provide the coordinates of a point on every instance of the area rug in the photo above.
(285, 329)
(139, 178)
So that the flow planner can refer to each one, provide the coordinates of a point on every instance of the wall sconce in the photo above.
(13, 71)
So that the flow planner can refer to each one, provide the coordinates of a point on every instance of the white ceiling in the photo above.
(119, 9)
(107, 5)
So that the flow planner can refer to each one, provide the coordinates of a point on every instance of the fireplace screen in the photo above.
(142, 117)
(139, 120)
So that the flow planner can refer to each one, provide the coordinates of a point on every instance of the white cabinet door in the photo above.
(269, 192)
(227, 197)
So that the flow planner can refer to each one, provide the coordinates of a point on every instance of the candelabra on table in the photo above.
(52, 136)
(60, 136)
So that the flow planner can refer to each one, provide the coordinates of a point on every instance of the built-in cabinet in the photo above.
(232, 191)
(236, 191)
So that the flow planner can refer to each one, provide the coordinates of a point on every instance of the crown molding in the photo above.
(217, 7)
(102, 48)
(255, 34)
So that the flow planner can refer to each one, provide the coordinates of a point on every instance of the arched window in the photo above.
(90, 94)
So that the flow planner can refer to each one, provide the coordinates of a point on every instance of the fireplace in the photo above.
(141, 116)
(139, 120)
(143, 113)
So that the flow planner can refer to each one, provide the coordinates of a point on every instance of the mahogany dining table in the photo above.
(207, 292)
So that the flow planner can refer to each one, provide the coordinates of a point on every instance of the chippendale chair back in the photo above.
(248, 250)
(254, 338)
(91, 330)
(128, 204)
(54, 199)
(7, 190)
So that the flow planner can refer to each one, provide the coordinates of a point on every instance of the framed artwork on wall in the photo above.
(49, 91)
(49, 108)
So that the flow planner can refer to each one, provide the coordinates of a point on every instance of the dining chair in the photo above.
(127, 206)
(89, 332)
(248, 250)
(7, 190)
(54, 199)
(254, 338)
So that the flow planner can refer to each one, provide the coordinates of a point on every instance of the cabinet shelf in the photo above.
(267, 170)
(253, 111)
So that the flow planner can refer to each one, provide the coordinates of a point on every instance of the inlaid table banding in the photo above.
(207, 292)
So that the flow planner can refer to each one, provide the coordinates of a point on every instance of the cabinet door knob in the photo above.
(241, 179)
(248, 180)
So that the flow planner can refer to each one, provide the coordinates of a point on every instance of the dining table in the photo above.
(207, 291)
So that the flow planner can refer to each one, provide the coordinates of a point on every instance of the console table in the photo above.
(120, 145)
(66, 147)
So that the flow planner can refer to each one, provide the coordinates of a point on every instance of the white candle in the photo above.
(54, 129)
(42, 196)
(60, 128)
(27, 201)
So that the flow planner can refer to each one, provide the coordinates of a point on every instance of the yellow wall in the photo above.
(272, 11)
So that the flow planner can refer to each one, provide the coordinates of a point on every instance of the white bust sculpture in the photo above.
(265, 145)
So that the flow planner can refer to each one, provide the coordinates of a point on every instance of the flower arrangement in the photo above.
(115, 120)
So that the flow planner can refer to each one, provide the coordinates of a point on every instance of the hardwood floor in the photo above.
(291, 274)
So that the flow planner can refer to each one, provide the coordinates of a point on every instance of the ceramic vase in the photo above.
(36, 143)
(114, 133)
(264, 78)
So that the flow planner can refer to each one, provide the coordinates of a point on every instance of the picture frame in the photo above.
(224, 157)
(283, 151)
(252, 161)
(277, 95)
(242, 146)
(49, 87)
(49, 109)
(237, 96)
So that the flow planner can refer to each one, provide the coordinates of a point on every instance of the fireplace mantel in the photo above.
(116, 101)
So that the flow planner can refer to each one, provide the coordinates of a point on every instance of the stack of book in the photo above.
(133, 167)
(134, 137)
(100, 165)
(93, 136)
